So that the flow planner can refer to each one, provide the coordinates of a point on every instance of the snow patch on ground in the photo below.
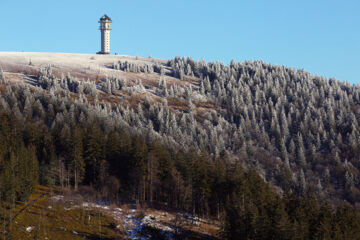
(57, 197)
(150, 221)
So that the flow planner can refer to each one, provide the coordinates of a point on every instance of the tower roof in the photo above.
(105, 18)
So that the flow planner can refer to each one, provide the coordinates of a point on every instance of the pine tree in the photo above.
(94, 156)
(323, 225)
(77, 161)
(302, 182)
(2, 78)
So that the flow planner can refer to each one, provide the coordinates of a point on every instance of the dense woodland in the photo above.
(123, 167)
(278, 142)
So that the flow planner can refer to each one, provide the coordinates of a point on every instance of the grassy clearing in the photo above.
(49, 219)
(54, 214)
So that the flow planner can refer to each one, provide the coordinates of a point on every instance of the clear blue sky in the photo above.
(321, 36)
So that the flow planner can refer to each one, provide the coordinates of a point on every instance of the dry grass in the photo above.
(178, 103)
(205, 105)
(2, 87)
(51, 219)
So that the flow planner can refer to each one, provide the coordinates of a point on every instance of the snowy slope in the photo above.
(82, 66)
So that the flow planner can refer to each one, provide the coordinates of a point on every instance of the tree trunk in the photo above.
(75, 180)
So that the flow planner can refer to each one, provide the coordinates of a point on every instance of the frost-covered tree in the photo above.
(163, 87)
(2, 78)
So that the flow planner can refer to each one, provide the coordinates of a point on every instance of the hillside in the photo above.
(176, 132)
(274, 115)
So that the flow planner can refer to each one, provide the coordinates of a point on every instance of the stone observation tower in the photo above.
(105, 27)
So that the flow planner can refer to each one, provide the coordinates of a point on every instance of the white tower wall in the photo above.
(105, 41)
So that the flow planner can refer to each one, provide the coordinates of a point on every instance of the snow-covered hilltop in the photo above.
(80, 65)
